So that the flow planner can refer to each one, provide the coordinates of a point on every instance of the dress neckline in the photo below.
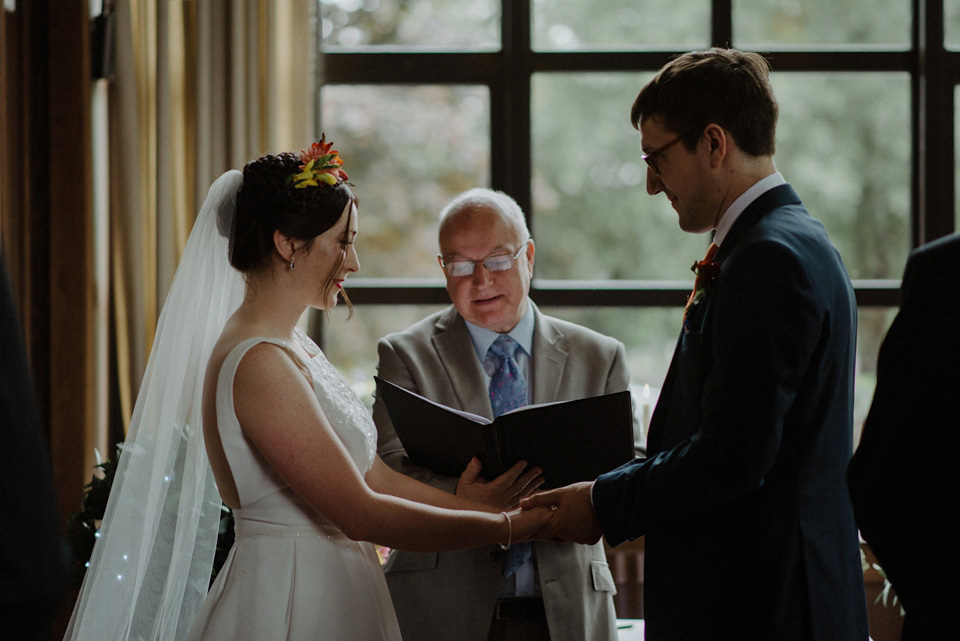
(310, 347)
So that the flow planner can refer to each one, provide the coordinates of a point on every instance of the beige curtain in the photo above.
(201, 87)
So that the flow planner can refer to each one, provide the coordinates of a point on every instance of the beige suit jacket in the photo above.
(452, 595)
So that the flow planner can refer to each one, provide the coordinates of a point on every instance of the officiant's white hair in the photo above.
(481, 197)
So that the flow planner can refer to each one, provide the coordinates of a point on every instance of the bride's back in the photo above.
(229, 339)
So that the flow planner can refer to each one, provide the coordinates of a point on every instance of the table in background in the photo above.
(630, 629)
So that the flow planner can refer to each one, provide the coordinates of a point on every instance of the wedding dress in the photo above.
(290, 574)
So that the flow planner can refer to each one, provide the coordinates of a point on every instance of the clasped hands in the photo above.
(563, 515)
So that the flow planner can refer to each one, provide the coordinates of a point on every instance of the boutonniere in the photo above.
(706, 271)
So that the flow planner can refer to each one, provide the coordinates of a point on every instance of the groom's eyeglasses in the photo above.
(652, 158)
(497, 263)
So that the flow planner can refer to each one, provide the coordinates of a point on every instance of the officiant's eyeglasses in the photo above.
(497, 263)
(652, 158)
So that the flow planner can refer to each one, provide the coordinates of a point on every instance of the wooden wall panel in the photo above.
(46, 215)
(72, 299)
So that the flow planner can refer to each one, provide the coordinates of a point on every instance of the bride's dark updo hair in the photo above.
(268, 202)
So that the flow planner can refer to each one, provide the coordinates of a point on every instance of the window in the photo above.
(430, 97)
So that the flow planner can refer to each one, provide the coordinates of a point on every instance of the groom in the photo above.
(749, 529)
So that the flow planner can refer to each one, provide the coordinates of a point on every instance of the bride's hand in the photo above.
(503, 492)
(525, 524)
(574, 520)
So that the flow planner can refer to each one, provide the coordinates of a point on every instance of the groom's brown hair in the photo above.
(724, 86)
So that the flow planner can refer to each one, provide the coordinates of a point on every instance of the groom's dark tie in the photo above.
(508, 390)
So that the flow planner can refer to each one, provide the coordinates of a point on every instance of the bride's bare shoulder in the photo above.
(265, 355)
(230, 337)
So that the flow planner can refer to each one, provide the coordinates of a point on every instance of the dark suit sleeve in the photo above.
(391, 367)
(33, 558)
(750, 359)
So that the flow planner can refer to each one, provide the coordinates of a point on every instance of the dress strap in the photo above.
(259, 478)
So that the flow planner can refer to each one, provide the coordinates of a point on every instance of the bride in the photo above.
(290, 446)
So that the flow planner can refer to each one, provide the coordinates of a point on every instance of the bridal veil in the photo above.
(150, 568)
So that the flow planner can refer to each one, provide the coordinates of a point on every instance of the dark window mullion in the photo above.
(842, 60)
(721, 23)
(410, 68)
(511, 163)
(600, 61)
(933, 127)
(782, 60)
(566, 293)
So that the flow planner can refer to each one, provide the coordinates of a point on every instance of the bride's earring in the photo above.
(292, 251)
(291, 263)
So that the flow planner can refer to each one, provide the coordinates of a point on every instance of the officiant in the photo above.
(493, 350)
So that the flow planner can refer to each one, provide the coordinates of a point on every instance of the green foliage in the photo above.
(571, 25)
(593, 219)
(83, 526)
(409, 150)
(473, 24)
(765, 24)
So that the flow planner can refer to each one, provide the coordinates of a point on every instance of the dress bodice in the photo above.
(263, 494)
(291, 574)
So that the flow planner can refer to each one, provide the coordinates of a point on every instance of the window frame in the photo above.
(934, 73)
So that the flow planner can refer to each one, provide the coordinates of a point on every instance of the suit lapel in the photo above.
(550, 358)
(455, 351)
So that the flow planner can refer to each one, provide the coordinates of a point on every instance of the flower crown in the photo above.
(319, 164)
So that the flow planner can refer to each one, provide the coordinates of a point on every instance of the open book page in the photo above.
(476, 418)
(532, 406)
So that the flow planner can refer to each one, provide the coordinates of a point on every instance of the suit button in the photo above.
(496, 555)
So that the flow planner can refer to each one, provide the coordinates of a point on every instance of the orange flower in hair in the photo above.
(319, 164)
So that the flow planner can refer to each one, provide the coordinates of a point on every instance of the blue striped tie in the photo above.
(508, 391)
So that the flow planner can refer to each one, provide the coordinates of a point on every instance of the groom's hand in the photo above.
(574, 520)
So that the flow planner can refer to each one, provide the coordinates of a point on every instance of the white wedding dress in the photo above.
(291, 574)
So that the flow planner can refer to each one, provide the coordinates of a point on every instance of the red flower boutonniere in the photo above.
(706, 270)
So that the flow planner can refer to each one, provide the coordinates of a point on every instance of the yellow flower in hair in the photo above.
(320, 164)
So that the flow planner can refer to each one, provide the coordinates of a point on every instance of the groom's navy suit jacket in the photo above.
(749, 528)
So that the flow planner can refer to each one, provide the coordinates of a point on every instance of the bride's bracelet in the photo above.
(509, 532)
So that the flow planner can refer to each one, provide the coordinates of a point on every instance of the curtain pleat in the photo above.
(201, 87)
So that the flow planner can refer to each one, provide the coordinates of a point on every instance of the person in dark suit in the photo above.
(33, 557)
(904, 477)
(749, 528)
(560, 592)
